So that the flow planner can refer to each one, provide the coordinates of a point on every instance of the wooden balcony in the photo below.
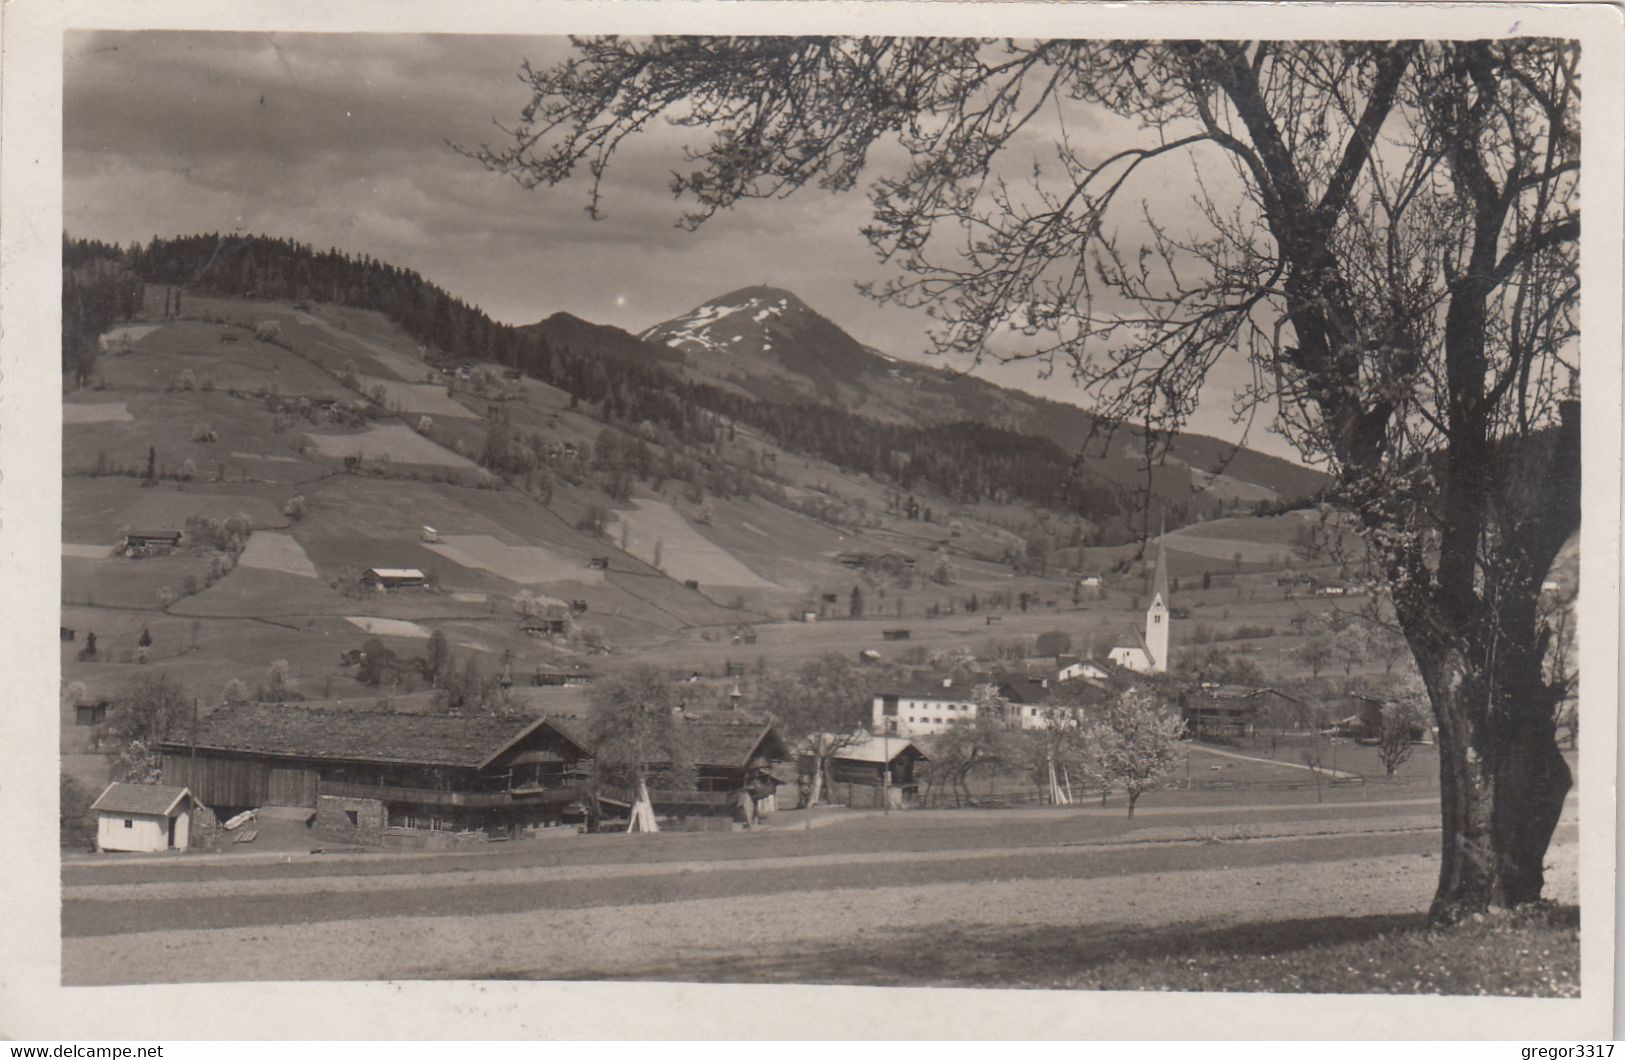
(519, 795)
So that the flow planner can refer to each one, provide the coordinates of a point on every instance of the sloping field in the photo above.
(277, 552)
(684, 553)
(261, 591)
(522, 564)
(417, 398)
(88, 551)
(389, 627)
(119, 582)
(1227, 548)
(403, 365)
(390, 441)
(243, 364)
(95, 412)
(93, 509)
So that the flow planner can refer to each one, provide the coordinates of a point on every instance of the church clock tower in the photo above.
(1157, 618)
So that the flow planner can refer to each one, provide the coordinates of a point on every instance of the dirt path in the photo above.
(1332, 773)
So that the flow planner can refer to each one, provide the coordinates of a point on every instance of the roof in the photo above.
(732, 740)
(396, 572)
(277, 729)
(1159, 581)
(155, 799)
(874, 749)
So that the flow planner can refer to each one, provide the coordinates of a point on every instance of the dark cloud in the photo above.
(341, 140)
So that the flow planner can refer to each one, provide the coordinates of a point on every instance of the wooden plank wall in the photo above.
(220, 781)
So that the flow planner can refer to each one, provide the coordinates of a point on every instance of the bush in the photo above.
(295, 508)
(188, 470)
(186, 380)
(204, 433)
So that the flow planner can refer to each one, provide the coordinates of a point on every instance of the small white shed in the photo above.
(143, 817)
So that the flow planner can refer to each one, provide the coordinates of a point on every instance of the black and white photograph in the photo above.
(1008, 507)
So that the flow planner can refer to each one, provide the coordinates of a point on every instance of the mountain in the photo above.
(772, 344)
(565, 331)
(767, 343)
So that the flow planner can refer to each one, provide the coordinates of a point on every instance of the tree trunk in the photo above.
(1502, 780)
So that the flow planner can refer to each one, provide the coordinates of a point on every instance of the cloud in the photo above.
(341, 140)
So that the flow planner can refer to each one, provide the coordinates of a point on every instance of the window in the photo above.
(1156, 620)
(128, 823)
(355, 819)
(888, 705)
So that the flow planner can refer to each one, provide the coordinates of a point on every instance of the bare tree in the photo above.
(637, 738)
(1388, 230)
(825, 705)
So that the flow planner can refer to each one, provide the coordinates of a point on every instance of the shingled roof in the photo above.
(151, 799)
(277, 729)
(732, 740)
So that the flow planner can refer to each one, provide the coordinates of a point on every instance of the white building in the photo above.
(934, 705)
(143, 817)
(924, 707)
(1150, 654)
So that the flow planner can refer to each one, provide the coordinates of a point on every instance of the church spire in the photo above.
(1159, 582)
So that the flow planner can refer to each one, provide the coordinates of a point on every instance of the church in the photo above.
(1150, 654)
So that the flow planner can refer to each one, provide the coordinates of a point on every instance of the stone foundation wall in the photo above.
(333, 820)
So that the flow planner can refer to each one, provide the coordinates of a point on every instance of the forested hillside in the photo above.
(967, 461)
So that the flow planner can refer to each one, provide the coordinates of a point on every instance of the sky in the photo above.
(342, 141)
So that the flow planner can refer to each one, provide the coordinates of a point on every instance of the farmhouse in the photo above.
(862, 768)
(545, 678)
(552, 619)
(1235, 710)
(381, 778)
(430, 536)
(383, 578)
(150, 542)
(925, 706)
(732, 754)
(144, 818)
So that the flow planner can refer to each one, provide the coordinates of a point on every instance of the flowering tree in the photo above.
(1134, 743)
(1388, 231)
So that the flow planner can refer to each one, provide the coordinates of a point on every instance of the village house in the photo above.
(383, 578)
(142, 543)
(143, 818)
(923, 706)
(732, 754)
(379, 778)
(861, 769)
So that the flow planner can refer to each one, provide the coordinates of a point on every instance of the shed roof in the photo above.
(396, 572)
(154, 799)
(277, 729)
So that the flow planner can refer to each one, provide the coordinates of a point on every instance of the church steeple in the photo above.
(1157, 617)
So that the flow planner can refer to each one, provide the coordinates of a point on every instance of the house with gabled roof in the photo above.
(143, 818)
(382, 778)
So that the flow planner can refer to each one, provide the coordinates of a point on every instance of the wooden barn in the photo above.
(151, 542)
(143, 818)
(382, 578)
(858, 771)
(381, 778)
(733, 754)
